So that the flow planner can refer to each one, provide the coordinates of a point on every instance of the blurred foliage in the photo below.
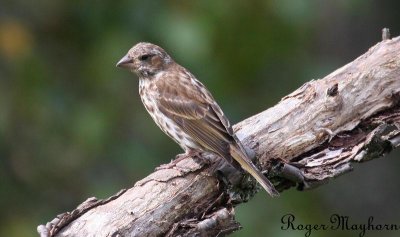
(72, 125)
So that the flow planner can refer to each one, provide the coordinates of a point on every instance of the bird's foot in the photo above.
(179, 158)
(170, 165)
(189, 153)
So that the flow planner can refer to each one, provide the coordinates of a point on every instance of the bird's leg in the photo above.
(188, 153)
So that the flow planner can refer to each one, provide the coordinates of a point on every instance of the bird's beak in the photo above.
(125, 62)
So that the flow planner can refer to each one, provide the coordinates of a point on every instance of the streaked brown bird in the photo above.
(185, 110)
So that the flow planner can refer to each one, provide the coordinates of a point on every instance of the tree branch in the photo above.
(309, 137)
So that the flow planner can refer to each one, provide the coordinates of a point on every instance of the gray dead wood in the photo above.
(311, 136)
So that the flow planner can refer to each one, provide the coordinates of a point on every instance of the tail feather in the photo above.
(248, 166)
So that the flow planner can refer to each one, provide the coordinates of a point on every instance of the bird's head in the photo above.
(145, 60)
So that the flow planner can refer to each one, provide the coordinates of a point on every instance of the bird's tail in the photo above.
(248, 166)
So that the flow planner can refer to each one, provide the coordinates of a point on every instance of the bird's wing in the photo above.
(192, 107)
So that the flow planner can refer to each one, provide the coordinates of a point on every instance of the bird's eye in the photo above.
(144, 57)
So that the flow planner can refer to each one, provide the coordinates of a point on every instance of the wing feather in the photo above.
(195, 111)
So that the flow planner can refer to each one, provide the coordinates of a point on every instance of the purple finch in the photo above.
(185, 110)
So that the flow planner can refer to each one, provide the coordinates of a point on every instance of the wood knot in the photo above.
(333, 90)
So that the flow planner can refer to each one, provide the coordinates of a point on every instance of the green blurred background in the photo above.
(72, 125)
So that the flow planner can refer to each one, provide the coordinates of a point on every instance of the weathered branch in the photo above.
(309, 137)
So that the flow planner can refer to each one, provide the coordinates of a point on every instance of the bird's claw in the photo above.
(178, 158)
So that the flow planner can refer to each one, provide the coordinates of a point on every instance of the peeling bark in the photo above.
(311, 136)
